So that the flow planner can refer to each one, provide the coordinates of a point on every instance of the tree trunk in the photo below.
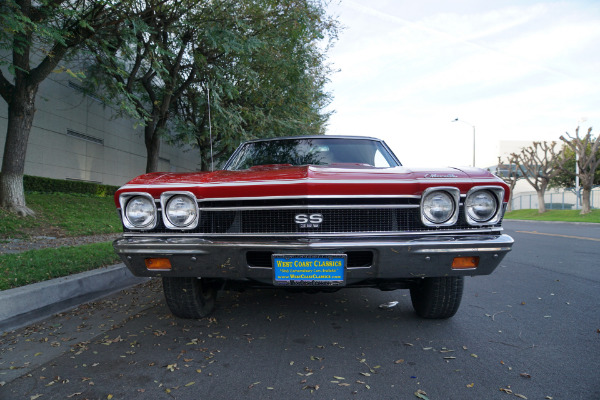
(152, 147)
(21, 110)
(510, 197)
(585, 201)
(541, 204)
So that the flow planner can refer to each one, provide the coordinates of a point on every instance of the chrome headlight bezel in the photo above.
(124, 201)
(166, 197)
(497, 193)
(454, 196)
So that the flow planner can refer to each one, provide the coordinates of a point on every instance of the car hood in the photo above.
(287, 181)
(267, 174)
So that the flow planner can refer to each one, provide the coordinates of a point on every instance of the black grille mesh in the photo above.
(281, 221)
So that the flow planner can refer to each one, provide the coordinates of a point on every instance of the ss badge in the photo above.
(308, 220)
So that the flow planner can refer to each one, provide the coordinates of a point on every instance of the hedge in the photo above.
(49, 185)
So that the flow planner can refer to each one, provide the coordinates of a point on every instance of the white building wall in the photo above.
(109, 149)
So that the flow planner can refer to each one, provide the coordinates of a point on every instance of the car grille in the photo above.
(364, 216)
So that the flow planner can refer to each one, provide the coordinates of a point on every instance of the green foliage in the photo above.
(566, 177)
(40, 265)
(555, 215)
(39, 37)
(263, 62)
(49, 185)
(63, 215)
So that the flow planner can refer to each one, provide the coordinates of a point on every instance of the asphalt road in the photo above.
(530, 330)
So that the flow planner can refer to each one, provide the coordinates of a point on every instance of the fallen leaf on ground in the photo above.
(421, 394)
(470, 385)
(525, 375)
(172, 367)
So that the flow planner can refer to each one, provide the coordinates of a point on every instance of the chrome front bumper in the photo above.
(393, 258)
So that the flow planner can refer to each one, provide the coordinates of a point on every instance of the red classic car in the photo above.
(314, 213)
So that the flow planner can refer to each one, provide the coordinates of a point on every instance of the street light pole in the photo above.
(577, 189)
(472, 126)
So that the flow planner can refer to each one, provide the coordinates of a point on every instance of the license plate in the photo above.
(309, 270)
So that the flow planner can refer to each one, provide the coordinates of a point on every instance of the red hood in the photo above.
(279, 180)
(274, 173)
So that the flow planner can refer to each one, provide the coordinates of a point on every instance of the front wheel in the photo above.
(437, 298)
(189, 297)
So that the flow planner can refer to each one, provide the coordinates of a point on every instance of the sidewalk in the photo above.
(28, 304)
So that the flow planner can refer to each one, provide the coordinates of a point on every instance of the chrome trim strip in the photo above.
(462, 250)
(310, 197)
(398, 181)
(300, 207)
(313, 234)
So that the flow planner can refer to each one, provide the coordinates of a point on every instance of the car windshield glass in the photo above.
(313, 151)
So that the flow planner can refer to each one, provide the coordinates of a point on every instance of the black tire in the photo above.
(190, 298)
(437, 298)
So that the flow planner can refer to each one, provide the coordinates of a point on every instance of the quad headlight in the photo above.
(483, 205)
(439, 206)
(180, 210)
(139, 210)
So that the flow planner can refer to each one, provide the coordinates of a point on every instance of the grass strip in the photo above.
(555, 215)
(69, 214)
(39, 265)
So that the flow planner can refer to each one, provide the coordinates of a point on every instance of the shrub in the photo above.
(49, 185)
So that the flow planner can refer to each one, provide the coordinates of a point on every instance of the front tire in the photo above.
(190, 298)
(437, 298)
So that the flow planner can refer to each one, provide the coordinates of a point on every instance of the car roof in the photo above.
(314, 137)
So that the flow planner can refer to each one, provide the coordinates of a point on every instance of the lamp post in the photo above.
(577, 189)
(472, 126)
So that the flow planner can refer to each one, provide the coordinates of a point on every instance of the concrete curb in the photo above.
(25, 305)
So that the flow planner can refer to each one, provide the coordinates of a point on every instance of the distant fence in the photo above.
(554, 200)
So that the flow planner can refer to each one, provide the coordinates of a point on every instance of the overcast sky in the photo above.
(516, 70)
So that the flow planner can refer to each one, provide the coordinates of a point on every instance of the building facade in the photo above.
(77, 137)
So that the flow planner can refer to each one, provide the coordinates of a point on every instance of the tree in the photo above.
(566, 177)
(510, 174)
(587, 151)
(39, 35)
(275, 88)
(147, 68)
(538, 164)
(167, 67)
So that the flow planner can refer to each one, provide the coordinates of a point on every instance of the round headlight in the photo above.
(181, 210)
(481, 206)
(438, 207)
(140, 211)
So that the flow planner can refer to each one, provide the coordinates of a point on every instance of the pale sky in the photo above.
(516, 70)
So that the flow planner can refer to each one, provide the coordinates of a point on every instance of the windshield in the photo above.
(313, 151)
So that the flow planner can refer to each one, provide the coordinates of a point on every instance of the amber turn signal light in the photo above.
(158, 263)
(465, 262)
